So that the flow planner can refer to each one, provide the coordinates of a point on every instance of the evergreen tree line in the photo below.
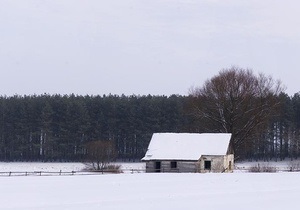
(58, 127)
(282, 137)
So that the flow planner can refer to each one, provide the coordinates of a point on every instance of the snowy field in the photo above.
(147, 191)
(6, 167)
(127, 167)
(280, 166)
(238, 191)
(39, 166)
(247, 191)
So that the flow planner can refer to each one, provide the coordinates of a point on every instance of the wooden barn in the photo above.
(189, 152)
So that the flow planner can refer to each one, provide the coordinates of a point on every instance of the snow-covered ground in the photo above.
(127, 167)
(39, 166)
(247, 191)
(6, 167)
(280, 166)
(137, 167)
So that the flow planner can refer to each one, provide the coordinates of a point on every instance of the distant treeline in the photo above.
(57, 127)
(282, 139)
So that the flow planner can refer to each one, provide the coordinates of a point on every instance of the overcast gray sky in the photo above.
(143, 46)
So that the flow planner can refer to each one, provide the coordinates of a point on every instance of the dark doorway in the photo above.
(230, 166)
(207, 165)
(173, 165)
(157, 166)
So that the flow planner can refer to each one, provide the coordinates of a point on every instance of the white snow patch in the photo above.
(40, 166)
(135, 167)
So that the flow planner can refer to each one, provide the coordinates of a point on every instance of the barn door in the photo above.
(157, 166)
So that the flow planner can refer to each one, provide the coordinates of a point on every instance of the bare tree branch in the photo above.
(238, 102)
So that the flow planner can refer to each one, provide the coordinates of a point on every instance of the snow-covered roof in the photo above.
(186, 146)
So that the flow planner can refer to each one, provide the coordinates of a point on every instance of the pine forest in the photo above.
(57, 127)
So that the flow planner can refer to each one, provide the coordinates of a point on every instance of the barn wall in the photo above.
(182, 166)
(187, 167)
(150, 166)
(229, 163)
(219, 163)
(216, 163)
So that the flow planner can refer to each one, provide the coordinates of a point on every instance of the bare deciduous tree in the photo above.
(100, 153)
(236, 101)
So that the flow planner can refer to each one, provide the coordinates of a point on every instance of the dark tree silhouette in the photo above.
(236, 101)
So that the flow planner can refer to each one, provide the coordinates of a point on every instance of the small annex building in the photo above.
(189, 153)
